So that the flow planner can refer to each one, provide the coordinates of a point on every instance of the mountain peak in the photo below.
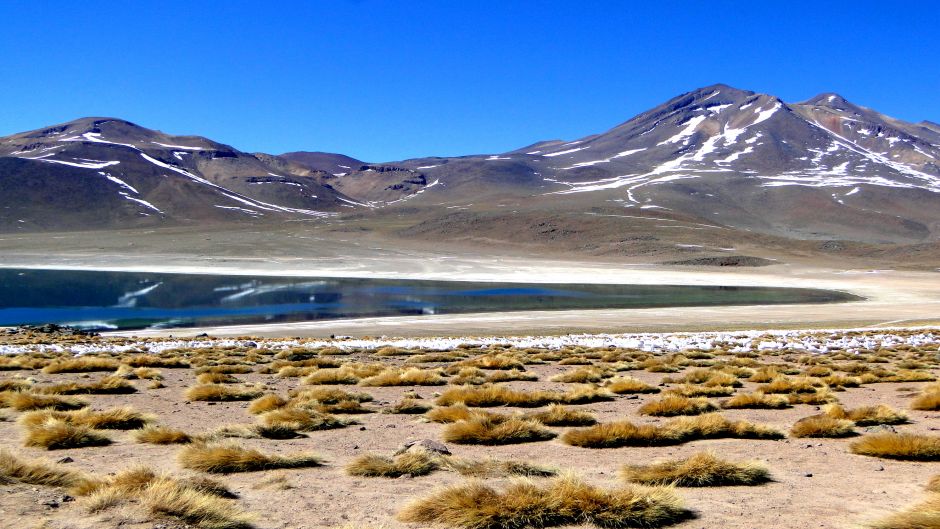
(830, 100)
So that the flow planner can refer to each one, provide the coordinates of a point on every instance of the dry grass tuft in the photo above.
(226, 458)
(494, 429)
(697, 390)
(676, 431)
(792, 385)
(162, 435)
(55, 434)
(756, 400)
(492, 468)
(867, 415)
(563, 501)
(168, 497)
(123, 418)
(624, 385)
(582, 375)
(220, 393)
(928, 400)
(558, 415)
(672, 405)
(266, 403)
(22, 401)
(409, 406)
(700, 470)
(448, 414)
(216, 378)
(82, 364)
(408, 463)
(923, 515)
(111, 385)
(822, 426)
(905, 446)
(411, 376)
(38, 472)
(301, 420)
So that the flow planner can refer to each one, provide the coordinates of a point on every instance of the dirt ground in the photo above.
(816, 482)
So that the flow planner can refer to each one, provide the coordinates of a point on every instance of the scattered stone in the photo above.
(64, 460)
(427, 445)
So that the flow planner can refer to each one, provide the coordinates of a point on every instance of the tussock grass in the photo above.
(558, 415)
(448, 414)
(266, 403)
(411, 376)
(141, 360)
(822, 426)
(756, 400)
(676, 431)
(54, 434)
(231, 369)
(934, 484)
(510, 375)
(123, 418)
(42, 472)
(23, 401)
(111, 385)
(818, 397)
(867, 415)
(563, 501)
(697, 390)
(792, 385)
(227, 458)
(493, 429)
(301, 420)
(216, 378)
(699, 470)
(582, 375)
(14, 385)
(220, 393)
(328, 396)
(928, 400)
(923, 515)
(493, 361)
(162, 435)
(409, 406)
(346, 374)
(488, 396)
(905, 446)
(410, 463)
(167, 497)
(671, 405)
(81, 364)
(624, 385)
(492, 468)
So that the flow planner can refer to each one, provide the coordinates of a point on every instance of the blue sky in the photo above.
(385, 80)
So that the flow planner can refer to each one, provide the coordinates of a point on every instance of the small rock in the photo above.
(880, 469)
(633, 397)
(52, 504)
(66, 498)
(64, 460)
(808, 475)
(362, 428)
(428, 445)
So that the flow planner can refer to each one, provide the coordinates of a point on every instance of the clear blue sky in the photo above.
(387, 80)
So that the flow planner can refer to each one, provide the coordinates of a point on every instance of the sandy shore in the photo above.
(891, 297)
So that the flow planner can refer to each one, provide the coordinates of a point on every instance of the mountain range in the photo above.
(715, 158)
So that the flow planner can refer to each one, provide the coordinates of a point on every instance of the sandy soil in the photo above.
(817, 482)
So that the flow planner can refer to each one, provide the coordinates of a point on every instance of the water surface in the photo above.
(131, 300)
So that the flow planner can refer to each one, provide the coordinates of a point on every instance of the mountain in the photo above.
(735, 160)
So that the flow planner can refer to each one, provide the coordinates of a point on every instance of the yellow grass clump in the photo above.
(756, 400)
(676, 431)
(822, 426)
(408, 463)
(671, 405)
(558, 415)
(14, 469)
(582, 375)
(227, 458)
(792, 385)
(409, 406)
(624, 385)
(905, 446)
(266, 403)
(220, 393)
(123, 418)
(216, 378)
(494, 429)
(301, 420)
(23, 401)
(161, 435)
(563, 501)
(81, 364)
(923, 515)
(928, 400)
(867, 415)
(698, 390)
(699, 470)
(111, 385)
(411, 376)
(55, 434)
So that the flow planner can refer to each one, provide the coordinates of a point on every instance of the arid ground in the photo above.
(337, 400)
